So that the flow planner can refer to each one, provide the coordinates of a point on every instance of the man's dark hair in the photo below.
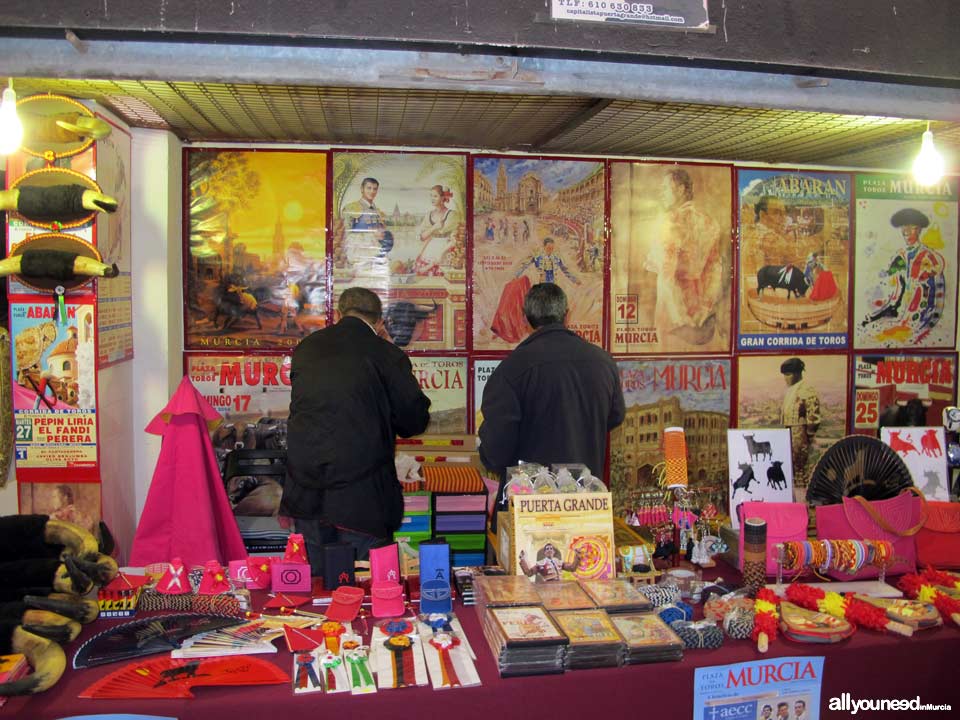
(547, 240)
(801, 702)
(372, 181)
(783, 705)
(545, 304)
(360, 302)
(768, 707)
(682, 179)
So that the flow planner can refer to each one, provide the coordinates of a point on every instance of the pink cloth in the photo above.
(187, 513)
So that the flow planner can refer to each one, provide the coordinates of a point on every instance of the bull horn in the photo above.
(56, 265)
(84, 126)
(45, 657)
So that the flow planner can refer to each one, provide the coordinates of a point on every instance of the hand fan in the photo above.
(857, 465)
(804, 625)
(168, 678)
(147, 636)
(918, 615)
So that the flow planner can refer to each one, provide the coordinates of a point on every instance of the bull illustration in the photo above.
(786, 277)
(775, 477)
(756, 448)
(746, 477)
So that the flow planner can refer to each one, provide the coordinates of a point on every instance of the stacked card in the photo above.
(563, 595)
(503, 591)
(616, 596)
(594, 641)
(648, 638)
(525, 640)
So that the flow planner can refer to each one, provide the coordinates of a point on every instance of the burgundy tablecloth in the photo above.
(868, 665)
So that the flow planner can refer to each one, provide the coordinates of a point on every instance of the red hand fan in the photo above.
(168, 678)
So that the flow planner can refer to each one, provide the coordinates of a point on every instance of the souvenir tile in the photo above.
(587, 627)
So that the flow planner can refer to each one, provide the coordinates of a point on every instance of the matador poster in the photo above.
(906, 270)
(444, 381)
(900, 390)
(693, 393)
(806, 394)
(535, 220)
(670, 257)
(399, 229)
(255, 275)
(794, 260)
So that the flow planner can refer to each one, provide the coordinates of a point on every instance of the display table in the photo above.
(867, 666)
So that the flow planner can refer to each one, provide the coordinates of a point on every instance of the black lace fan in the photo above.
(857, 465)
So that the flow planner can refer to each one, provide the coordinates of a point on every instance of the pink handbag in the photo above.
(785, 521)
(897, 519)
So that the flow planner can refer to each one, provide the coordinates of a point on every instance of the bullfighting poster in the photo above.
(901, 390)
(536, 220)
(906, 269)
(670, 257)
(255, 267)
(806, 394)
(76, 502)
(693, 393)
(252, 392)
(794, 260)
(400, 229)
(54, 389)
(482, 370)
(444, 381)
(760, 469)
(115, 295)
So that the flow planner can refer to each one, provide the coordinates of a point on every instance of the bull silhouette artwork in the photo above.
(786, 277)
(746, 477)
(931, 483)
(756, 448)
(930, 444)
(183, 672)
(402, 318)
(899, 445)
(235, 301)
(775, 477)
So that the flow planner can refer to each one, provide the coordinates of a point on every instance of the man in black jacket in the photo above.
(353, 393)
(553, 399)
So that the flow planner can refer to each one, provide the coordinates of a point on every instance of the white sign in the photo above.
(680, 14)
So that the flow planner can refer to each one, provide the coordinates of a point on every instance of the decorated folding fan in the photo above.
(857, 465)
(147, 636)
(169, 678)
(251, 638)
(803, 625)
(914, 613)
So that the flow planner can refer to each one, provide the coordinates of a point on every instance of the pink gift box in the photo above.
(288, 576)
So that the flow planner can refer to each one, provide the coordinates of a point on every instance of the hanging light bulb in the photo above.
(11, 129)
(928, 167)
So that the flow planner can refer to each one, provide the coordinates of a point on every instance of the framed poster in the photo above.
(54, 390)
(671, 255)
(906, 271)
(924, 452)
(255, 261)
(693, 393)
(400, 229)
(794, 260)
(535, 220)
(444, 381)
(761, 468)
(900, 390)
(807, 395)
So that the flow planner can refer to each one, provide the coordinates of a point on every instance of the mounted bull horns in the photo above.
(55, 265)
(53, 203)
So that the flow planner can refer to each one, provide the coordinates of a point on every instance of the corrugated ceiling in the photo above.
(220, 112)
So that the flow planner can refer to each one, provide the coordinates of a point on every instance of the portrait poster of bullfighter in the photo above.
(794, 260)
(255, 270)
(671, 255)
(535, 220)
(906, 270)
(692, 393)
(902, 390)
(760, 468)
(444, 381)
(807, 394)
(400, 229)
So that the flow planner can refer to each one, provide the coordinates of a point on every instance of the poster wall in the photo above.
(813, 407)
(671, 257)
(535, 220)
(898, 390)
(693, 393)
(400, 229)
(115, 296)
(906, 272)
(255, 267)
(444, 381)
(794, 260)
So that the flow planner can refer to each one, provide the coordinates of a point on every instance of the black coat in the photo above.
(552, 400)
(352, 394)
